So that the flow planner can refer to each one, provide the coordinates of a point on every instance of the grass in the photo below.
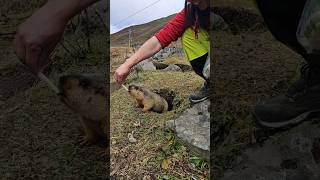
(176, 60)
(157, 152)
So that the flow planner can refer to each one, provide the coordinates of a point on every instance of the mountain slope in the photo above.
(140, 32)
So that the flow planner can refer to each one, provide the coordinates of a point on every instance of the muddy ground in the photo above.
(249, 66)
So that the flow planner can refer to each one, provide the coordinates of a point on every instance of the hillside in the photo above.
(140, 32)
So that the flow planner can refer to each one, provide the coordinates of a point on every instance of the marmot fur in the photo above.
(86, 94)
(147, 99)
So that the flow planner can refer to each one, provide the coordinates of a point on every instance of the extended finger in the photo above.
(44, 58)
(20, 49)
(32, 57)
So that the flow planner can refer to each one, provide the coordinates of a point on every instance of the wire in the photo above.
(137, 12)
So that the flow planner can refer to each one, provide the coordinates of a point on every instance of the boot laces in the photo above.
(301, 87)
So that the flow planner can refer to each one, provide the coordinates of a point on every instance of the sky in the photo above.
(122, 9)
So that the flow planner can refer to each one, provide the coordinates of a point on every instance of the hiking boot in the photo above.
(302, 99)
(201, 95)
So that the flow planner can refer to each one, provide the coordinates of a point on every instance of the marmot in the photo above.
(86, 94)
(148, 99)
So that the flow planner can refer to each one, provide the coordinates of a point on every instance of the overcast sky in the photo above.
(121, 9)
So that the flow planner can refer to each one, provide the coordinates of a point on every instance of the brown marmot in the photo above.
(86, 94)
(147, 99)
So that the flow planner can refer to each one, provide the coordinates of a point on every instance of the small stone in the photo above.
(147, 177)
(137, 124)
(172, 67)
(131, 138)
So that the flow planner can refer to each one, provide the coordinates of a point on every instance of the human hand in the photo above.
(121, 73)
(37, 37)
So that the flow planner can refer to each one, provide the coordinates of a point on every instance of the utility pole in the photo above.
(130, 37)
(130, 40)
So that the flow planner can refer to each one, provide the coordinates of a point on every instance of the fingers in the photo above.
(44, 59)
(32, 58)
(119, 78)
(31, 54)
(28, 52)
(19, 48)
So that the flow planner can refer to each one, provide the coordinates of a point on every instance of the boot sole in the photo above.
(197, 101)
(290, 122)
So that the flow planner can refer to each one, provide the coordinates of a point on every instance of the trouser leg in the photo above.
(198, 65)
(282, 19)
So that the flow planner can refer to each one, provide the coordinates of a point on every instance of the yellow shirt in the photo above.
(194, 48)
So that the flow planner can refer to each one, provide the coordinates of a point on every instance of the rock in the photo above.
(160, 65)
(145, 66)
(184, 67)
(131, 138)
(165, 55)
(172, 67)
(218, 22)
(193, 128)
(291, 155)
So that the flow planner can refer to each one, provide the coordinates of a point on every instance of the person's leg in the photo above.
(282, 18)
(196, 50)
(204, 93)
(198, 65)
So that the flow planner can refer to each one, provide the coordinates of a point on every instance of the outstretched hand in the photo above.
(121, 73)
(37, 37)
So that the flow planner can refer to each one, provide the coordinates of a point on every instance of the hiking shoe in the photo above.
(301, 100)
(201, 95)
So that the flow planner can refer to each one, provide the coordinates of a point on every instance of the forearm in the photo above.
(66, 9)
(147, 50)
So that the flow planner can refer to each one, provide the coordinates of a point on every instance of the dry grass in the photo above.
(157, 152)
(176, 60)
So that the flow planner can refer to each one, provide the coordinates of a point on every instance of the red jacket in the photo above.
(172, 31)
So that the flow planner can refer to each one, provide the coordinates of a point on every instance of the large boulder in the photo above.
(146, 65)
(193, 128)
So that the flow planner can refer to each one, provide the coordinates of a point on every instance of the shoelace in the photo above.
(308, 73)
(305, 72)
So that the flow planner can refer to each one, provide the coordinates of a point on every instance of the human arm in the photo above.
(169, 33)
(39, 34)
(148, 49)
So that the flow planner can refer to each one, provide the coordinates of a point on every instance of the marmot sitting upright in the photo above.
(86, 94)
(147, 99)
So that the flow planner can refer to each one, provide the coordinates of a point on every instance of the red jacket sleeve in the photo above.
(172, 31)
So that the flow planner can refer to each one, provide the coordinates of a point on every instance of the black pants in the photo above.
(282, 18)
(198, 65)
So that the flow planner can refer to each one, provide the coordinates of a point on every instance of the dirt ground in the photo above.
(249, 66)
